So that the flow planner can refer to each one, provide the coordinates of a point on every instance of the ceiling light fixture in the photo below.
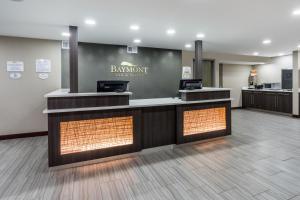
(90, 22)
(267, 41)
(298, 46)
(200, 35)
(188, 46)
(134, 27)
(255, 53)
(280, 54)
(296, 12)
(171, 31)
(66, 34)
(137, 41)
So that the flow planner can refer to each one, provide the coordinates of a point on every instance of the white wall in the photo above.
(22, 100)
(187, 60)
(236, 77)
(271, 72)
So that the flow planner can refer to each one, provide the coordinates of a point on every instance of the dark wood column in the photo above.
(220, 75)
(198, 68)
(73, 41)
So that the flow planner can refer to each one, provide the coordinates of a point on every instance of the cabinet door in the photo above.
(244, 99)
(270, 101)
(258, 100)
(251, 100)
(247, 100)
(284, 102)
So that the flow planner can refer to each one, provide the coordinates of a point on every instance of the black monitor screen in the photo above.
(190, 84)
(112, 86)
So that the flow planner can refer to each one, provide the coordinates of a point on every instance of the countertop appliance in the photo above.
(272, 86)
(287, 79)
(112, 86)
(190, 84)
(258, 86)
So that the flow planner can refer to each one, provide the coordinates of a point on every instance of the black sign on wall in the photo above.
(153, 73)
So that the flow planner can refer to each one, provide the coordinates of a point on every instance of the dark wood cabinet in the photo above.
(284, 102)
(271, 101)
(252, 99)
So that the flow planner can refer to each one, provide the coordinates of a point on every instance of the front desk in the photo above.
(87, 126)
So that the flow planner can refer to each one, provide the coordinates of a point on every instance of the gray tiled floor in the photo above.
(260, 161)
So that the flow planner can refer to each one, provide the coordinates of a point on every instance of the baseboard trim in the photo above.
(23, 135)
(235, 108)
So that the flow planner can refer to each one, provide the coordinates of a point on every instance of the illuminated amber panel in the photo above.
(203, 121)
(85, 135)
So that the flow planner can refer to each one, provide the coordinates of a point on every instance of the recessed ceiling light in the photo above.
(200, 35)
(135, 27)
(255, 53)
(171, 31)
(280, 54)
(90, 22)
(65, 34)
(267, 41)
(298, 46)
(296, 12)
(137, 41)
(188, 46)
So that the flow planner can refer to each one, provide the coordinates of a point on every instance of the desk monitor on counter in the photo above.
(112, 86)
(190, 84)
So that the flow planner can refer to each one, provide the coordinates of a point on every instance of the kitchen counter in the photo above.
(266, 99)
(268, 90)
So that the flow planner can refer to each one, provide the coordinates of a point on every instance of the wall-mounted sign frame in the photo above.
(43, 65)
(14, 66)
(187, 72)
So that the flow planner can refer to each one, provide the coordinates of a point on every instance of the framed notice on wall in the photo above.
(43, 66)
(14, 66)
(187, 72)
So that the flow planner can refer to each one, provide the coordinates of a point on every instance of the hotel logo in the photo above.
(128, 69)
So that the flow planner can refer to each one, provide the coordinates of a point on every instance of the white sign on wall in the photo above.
(43, 66)
(43, 76)
(187, 72)
(15, 75)
(14, 66)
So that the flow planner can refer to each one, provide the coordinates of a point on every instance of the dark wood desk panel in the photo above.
(158, 126)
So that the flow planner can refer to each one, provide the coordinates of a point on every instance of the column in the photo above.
(296, 77)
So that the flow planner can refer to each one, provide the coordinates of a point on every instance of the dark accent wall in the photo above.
(95, 60)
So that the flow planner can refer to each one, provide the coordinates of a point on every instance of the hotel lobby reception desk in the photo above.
(82, 133)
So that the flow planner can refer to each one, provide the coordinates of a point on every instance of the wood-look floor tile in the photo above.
(260, 161)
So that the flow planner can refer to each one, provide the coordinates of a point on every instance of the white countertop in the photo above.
(137, 103)
(206, 89)
(65, 93)
(267, 90)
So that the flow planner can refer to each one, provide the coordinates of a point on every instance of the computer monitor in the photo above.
(190, 84)
(112, 86)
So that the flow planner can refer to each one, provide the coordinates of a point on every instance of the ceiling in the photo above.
(230, 26)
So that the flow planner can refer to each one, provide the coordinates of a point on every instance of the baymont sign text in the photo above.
(128, 69)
